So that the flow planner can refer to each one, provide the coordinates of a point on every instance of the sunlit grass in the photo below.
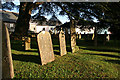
(88, 62)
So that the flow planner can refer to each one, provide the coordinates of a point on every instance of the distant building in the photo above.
(9, 19)
(81, 30)
(36, 24)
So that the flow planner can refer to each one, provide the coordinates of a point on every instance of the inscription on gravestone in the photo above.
(62, 43)
(45, 47)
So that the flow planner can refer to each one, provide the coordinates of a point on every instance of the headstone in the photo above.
(45, 47)
(93, 36)
(80, 36)
(7, 64)
(108, 37)
(0, 50)
(77, 36)
(62, 43)
(26, 43)
(74, 47)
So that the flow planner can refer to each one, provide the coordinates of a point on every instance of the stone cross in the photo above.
(62, 43)
(45, 47)
(7, 63)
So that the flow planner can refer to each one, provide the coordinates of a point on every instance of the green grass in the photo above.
(88, 62)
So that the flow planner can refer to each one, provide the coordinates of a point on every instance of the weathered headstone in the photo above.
(80, 36)
(108, 37)
(7, 64)
(74, 47)
(0, 50)
(77, 35)
(26, 43)
(93, 36)
(62, 43)
(45, 47)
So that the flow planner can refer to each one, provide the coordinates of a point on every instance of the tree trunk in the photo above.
(22, 24)
(55, 31)
(95, 37)
(73, 36)
(7, 64)
(105, 35)
(66, 35)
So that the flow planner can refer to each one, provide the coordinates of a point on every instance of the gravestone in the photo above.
(26, 43)
(93, 36)
(45, 47)
(108, 37)
(7, 64)
(62, 43)
(77, 35)
(80, 36)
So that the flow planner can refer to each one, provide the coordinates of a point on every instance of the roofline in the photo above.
(8, 22)
(9, 11)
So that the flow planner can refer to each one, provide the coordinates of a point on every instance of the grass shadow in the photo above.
(56, 52)
(104, 50)
(107, 55)
(113, 61)
(27, 58)
(30, 50)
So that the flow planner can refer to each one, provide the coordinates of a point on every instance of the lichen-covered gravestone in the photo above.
(45, 47)
(62, 43)
(7, 64)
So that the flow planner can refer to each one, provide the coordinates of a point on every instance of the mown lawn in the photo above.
(88, 62)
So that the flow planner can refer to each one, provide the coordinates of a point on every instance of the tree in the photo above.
(112, 17)
(83, 12)
(25, 10)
